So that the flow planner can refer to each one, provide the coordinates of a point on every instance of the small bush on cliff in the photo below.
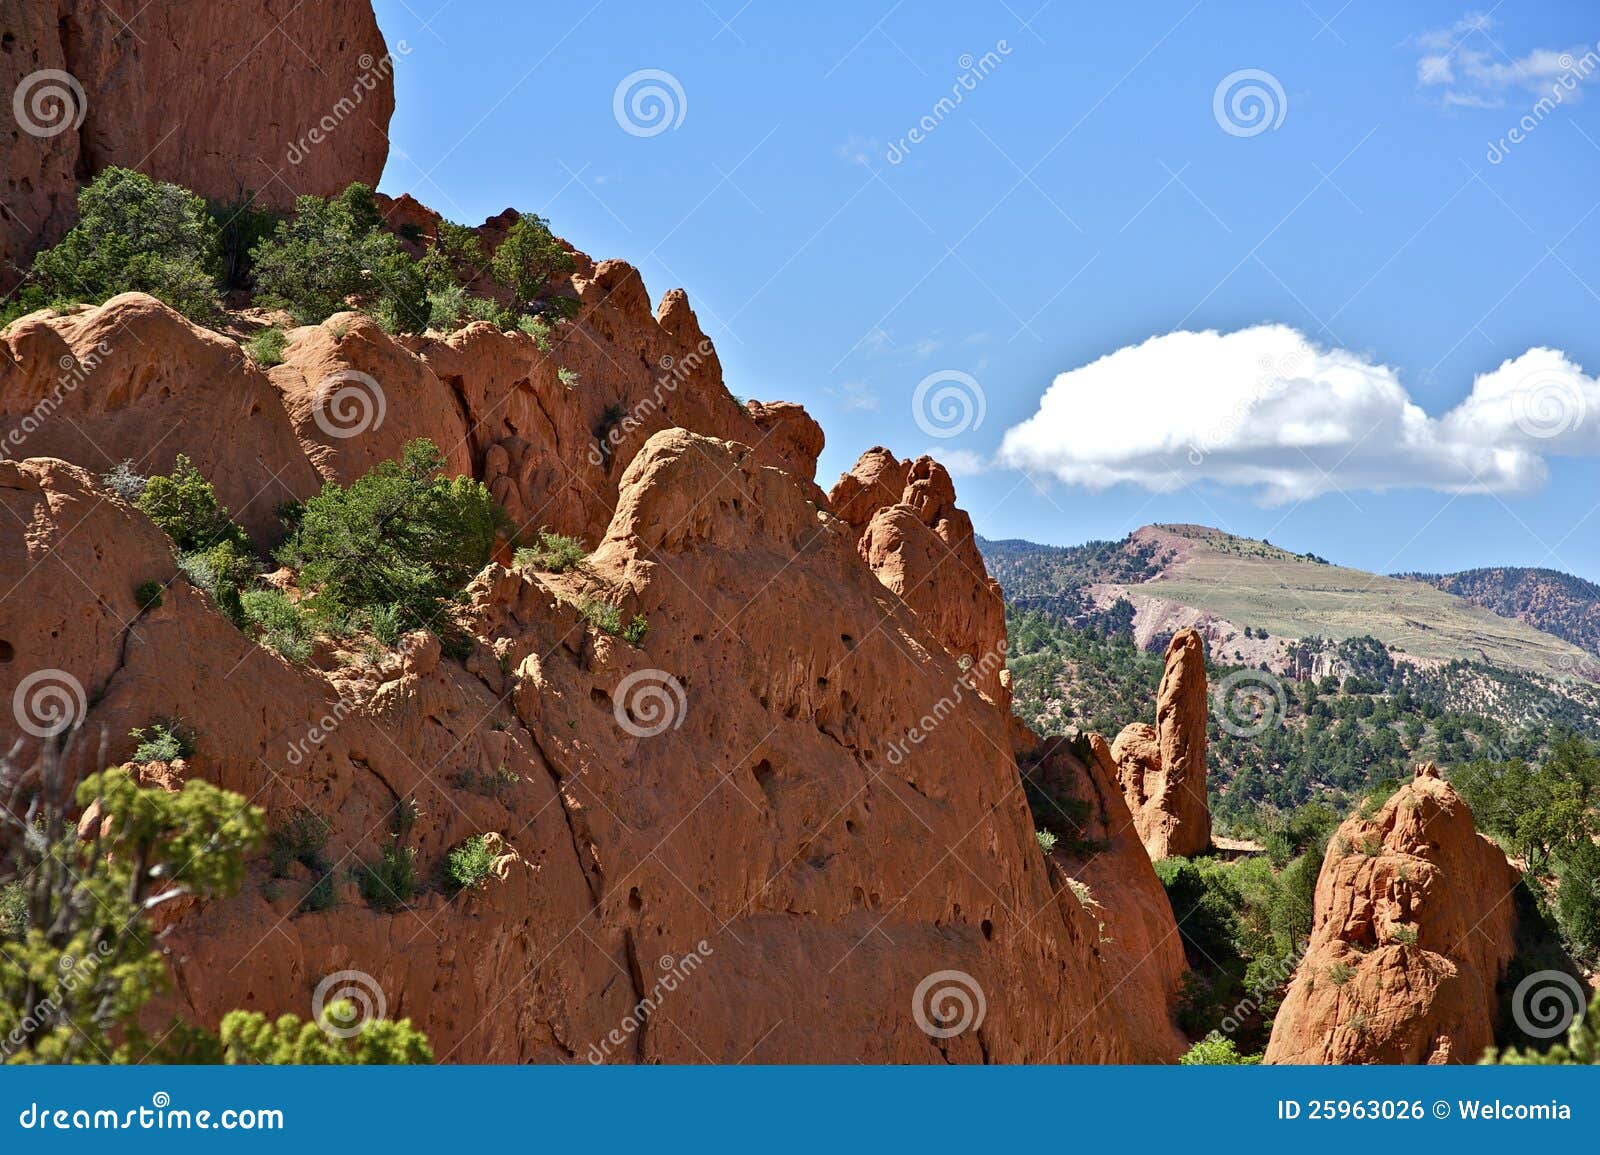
(184, 504)
(468, 865)
(266, 347)
(551, 553)
(526, 261)
(402, 536)
(162, 741)
(330, 250)
(301, 837)
(279, 623)
(391, 881)
(133, 234)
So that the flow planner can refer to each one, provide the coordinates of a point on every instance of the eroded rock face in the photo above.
(742, 829)
(1113, 878)
(725, 823)
(133, 380)
(196, 93)
(921, 545)
(1162, 768)
(1414, 926)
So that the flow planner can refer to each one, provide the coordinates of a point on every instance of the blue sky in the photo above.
(1088, 193)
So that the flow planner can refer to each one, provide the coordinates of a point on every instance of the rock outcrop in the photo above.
(752, 803)
(131, 380)
(1414, 925)
(1110, 875)
(921, 545)
(194, 93)
(1162, 768)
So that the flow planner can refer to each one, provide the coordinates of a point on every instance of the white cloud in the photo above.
(958, 462)
(855, 396)
(1266, 409)
(1468, 68)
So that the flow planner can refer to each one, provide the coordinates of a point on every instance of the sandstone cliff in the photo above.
(737, 805)
(922, 547)
(1162, 768)
(197, 94)
(1414, 926)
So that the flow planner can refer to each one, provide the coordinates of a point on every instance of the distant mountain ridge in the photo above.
(1557, 603)
(1255, 602)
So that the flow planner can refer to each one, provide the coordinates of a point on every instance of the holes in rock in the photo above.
(849, 642)
(7, 651)
(599, 697)
(635, 902)
(822, 683)
(765, 777)
(988, 930)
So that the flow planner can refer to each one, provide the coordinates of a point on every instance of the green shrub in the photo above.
(241, 225)
(184, 504)
(391, 881)
(301, 837)
(537, 328)
(161, 741)
(491, 785)
(266, 347)
(385, 623)
(601, 615)
(401, 536)
(13, 909)
(567, 377)
(322, 895)
(331, 250)
(1047, 840)
(280, 623)
(633, 633)
(551, 553)
(1578, 897)
(147, 596)
(250, 1038)
(133, 234)
(526, 261)
(1403, 935)
(1339, 974)
(468, 865)
(1216, 1049)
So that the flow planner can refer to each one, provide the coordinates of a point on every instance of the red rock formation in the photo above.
(132, 380)
(761, 818)
(1414, 926)
(193, 93)
(922, 547)
(1112, 877)
(1162, 768)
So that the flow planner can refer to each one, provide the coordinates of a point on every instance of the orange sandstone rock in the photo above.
(1162, 768)
(1414, 925)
